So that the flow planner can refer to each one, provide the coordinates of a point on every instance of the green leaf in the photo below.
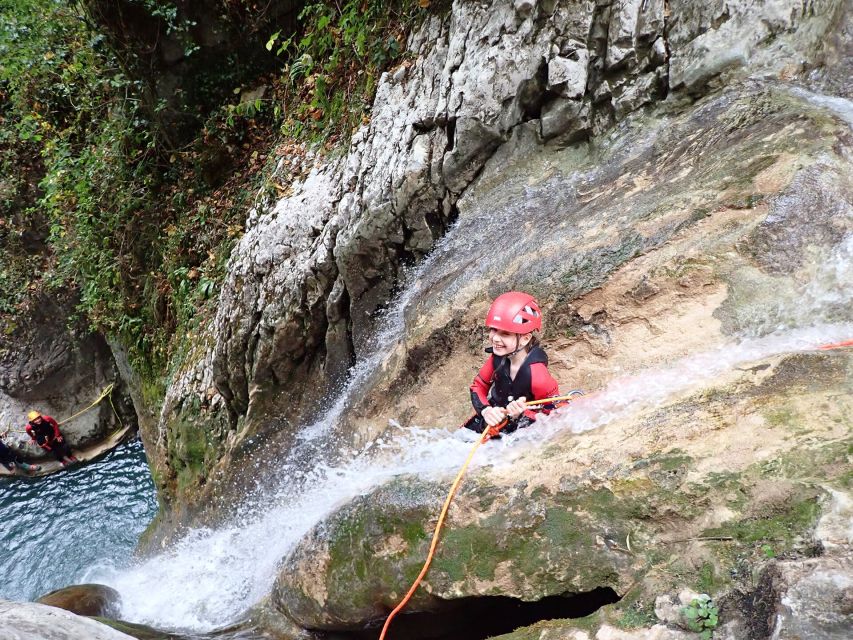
(272, 40)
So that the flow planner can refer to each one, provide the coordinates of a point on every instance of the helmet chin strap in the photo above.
(518, 346)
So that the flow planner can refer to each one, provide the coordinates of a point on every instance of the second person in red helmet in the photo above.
(516, 371)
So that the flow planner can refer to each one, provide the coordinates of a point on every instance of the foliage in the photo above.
(332, 69)
(113, 214)
(702, 616)
(95, 198)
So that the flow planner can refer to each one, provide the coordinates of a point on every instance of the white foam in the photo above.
(212, 576)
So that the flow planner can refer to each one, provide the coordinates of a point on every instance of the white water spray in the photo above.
(212, 576)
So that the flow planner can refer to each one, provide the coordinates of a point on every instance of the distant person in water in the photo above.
(45, 432)
(11, 460)
(517, 370)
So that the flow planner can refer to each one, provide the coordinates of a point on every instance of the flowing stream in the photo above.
(53, 529)
(232, 568)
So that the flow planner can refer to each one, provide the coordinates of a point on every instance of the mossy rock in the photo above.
(355, 566)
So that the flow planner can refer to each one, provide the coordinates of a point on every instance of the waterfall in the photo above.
(212, 576)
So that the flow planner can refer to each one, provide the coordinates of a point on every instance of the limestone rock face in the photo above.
(501, 543)
(815, 599)
(29, 621)
(698, 233)
(615, 508)
(314, 269)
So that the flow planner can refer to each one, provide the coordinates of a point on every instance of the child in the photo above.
(516, 372)
(45, 432)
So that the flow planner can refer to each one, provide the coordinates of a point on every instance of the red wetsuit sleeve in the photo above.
(481, 385)
(542, 385)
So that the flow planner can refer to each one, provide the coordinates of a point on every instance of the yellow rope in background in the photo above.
(103, 395)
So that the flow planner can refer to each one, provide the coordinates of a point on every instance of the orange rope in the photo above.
(455, 485)
(574, 394)
(434, 543)
(836, 345)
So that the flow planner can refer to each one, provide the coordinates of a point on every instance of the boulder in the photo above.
(30, 621)
(815, 599)
(85, 600)
(642, 506)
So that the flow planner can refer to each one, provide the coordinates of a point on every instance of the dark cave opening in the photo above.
(482, 617)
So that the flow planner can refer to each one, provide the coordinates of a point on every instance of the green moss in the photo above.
(470, 551)
(544, 629)
(794, 519)
(632, 618)
(153, 391)
(414, 533)
(141, 632)
(190, 452)
(780, 418)
(707, 581)
(829, 463)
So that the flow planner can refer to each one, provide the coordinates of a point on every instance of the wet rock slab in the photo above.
(30, 621)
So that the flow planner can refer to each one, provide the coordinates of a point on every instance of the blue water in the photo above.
(53, 529)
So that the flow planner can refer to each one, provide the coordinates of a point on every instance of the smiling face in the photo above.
(505, 342)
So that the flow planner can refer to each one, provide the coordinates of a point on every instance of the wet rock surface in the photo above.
(649, 172)
(512, 546)
(85, 600)
(815, 598)
(313, 270)
(648, 505)
(29, 621)
(58, 369)
(661, 244)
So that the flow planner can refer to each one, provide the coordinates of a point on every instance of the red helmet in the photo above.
(515, 312)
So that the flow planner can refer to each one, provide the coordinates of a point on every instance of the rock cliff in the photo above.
(665, 179)
(309, 281)
(677, 251)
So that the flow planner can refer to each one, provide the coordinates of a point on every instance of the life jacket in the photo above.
(504, 389)
(493, 386)
(44, 433)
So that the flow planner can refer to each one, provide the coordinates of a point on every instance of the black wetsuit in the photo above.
(46, 434)
(493, 386)
(8, 458)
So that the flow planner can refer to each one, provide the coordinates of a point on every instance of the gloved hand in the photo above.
(493, 415)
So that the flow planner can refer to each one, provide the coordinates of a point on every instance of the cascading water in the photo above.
(232, 568)
(211, 577)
